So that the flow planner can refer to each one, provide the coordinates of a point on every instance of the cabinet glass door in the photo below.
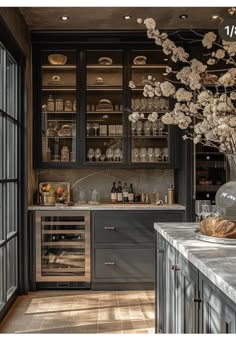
(64, 250)
(149, 139)
(59, 108)
(104, 107)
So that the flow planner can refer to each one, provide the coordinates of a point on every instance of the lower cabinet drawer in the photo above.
(124, 263)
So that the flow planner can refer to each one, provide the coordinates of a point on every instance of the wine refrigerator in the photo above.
(62, 246)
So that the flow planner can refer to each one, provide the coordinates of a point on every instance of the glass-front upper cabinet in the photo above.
(104, 107)
(149, 136)
(59, 108)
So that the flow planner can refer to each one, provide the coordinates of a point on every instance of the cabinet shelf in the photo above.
(149, 137)
(59, 137)
(104, 112)
(65, 67)
(58, 89)
(52, 232)
(59, 112)
(77, 243)
(149, 66)
(101, 137)
(104, 88)
(65, 270)
(104, 67)
(208, 188)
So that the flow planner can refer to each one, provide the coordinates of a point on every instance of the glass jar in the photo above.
(68, 105)
(74, 106)
(59, 105)
(50, 131)
(65, 154)
(50, 104)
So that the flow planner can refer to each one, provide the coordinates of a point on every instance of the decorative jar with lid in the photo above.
(65, 154)
(68, 105)
(50, 104)
(59, 105)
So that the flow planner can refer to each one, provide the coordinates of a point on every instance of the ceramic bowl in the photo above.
(57, 59)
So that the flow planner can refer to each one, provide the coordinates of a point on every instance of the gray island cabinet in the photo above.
(195, 282)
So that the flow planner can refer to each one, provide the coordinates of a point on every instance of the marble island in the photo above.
(193, 272)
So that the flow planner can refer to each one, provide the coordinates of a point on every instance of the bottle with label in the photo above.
(125, 193)
(119, 192)
(114, 193)
(50, 104)
(170, 194)
(131, 193)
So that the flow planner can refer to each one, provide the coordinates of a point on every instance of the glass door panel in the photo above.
(149, 138)
(65, 248)
(11, 266)
(2, 77)
(1, 277)
(59, 108)
(12, 104)
(104, 107)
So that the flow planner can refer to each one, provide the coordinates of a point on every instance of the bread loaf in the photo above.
(218, 227)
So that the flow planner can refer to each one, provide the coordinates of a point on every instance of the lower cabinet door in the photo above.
(160, 285)
(187, 297)
(124, 263)
(218, 315)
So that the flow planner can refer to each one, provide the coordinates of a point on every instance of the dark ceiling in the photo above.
(111, 18)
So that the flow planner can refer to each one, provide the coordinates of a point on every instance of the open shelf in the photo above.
(65, 67)
(104, 67)
(104, 88)
(149, 66)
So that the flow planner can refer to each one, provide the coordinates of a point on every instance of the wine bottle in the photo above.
(125, 193)
(119, 192)
(131, 193)
(114, 193)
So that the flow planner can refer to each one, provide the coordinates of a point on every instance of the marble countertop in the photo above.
(216, 261)
(128, 206)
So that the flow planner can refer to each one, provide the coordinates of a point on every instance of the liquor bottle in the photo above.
(125, 193)
(170, 194)
(119, 192)
(131, 193)
(114, 193)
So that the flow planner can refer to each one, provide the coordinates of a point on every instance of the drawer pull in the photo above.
(109, 228)
(109, 263)
(197, 300)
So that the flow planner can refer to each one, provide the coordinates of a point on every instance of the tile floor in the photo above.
(82, 312)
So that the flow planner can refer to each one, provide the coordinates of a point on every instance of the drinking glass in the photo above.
(82, 197)
(88, 127)
(143, 154)
(214, 211)
(157, 153)
(90, 154)
(147, 128)
(117, 154)
(150, 154)
(109, 154)
(156, 103)
(135, 154)
(139, 127)
(133, 127)
(98, 153)
(143, 104)
(96, 127)
(150, 105)
(165, 152)
(206, 212)
(154, 128)
(160, 126)
(102, 158)
(198, 209)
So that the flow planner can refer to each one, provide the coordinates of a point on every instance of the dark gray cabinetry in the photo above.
(186, 301)
(124, 247)
(218, 312)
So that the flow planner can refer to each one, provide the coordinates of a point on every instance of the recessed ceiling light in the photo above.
(64, 18)
(165, 74)
(183, 16)
(127, 17)
(165, 59)
(214, 17)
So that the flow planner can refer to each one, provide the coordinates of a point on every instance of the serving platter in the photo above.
(216, 240)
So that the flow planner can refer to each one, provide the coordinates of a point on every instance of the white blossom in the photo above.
(167, 88)
(208, 39)
(233, 95)
(183, 95)
(220, 54)
(139, 20)
(211, 61)
(132, 84)
(150, 23)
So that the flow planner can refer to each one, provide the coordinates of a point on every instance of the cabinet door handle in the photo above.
(175, 267)
(109, 228)
(197, 300)
(109, 263)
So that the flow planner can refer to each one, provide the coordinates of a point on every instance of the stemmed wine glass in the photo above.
(143, 154)
(90, 154)
(198, 209)
(98, 153)
(109, 154)
(157, 153)
(165, 152)
(133, 127)
(96, 126)
(139, 127)
(117, 154)
(135, 153)
(206, 212)
(150, 154)
(160, 126)
(88, 127)
(147, 128)
(214, 211)
(154, 128)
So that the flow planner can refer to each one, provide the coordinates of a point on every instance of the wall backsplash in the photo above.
(144, 180)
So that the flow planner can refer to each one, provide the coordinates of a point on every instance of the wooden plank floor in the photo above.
(82, 312)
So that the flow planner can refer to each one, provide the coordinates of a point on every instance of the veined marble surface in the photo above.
(216, 261)
(128, 206)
